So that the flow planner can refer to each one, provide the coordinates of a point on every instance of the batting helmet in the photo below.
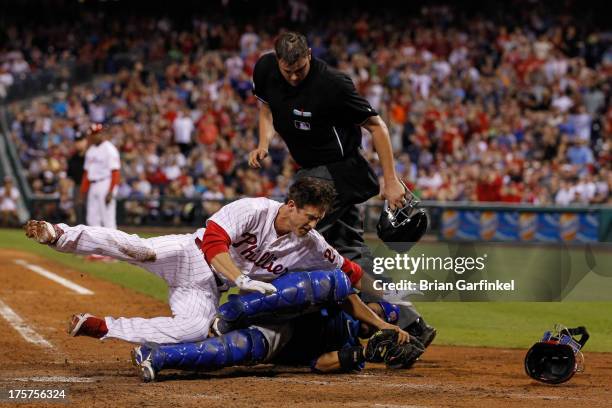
(401, 228)
(557, 357)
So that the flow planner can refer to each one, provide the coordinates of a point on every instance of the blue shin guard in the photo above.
(297, 293)
(240, 347)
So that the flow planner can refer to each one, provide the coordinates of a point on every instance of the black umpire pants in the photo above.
(343, 229)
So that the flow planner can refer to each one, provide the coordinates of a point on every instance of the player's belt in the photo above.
(98, 180)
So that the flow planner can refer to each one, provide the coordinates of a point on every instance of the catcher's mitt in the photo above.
(557, 356)
(404, 355)
(383, 347)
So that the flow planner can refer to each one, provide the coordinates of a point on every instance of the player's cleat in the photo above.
(43, 232)
(141, 359)
(422, 331)
(85, 324)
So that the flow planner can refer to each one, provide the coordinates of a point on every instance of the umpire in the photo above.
(319, 115)
(75, 170)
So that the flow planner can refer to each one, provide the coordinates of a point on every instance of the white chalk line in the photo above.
(53, 379)
(368, 404)
(412, 386)
(207, 396)
(398, 406)
(22, 328)
(56, 278)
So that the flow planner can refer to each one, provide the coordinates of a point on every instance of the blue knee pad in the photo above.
(296, 291)
(240, 347)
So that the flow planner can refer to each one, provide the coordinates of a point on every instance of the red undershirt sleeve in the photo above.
(115, 178)
(215, 241)
(352, 270)
(84, 182)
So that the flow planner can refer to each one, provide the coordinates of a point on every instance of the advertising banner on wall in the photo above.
(478, 225)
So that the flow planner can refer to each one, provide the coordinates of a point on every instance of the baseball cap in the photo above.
(390, 311)
(95, 128)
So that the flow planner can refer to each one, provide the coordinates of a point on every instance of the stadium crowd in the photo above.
(513, 109)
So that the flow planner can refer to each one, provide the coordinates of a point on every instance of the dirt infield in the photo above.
(99, 373)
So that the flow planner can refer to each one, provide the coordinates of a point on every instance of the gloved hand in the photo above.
(383, 347)
(245, 283)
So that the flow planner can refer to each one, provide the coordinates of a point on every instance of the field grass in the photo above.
(120, 273)
(491, 324)
(516, 324)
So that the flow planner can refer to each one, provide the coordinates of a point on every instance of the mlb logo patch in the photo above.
(392, 316)
(302, 125)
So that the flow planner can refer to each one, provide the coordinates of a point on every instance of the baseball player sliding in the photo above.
(100, 178)
(247, 243)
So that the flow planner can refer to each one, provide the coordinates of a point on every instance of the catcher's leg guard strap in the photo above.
(295, 292)
(240, 347)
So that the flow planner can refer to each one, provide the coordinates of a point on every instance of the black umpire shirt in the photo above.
(318, 119)
(76, 167)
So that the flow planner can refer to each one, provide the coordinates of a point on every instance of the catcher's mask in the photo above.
(557, 356)
(401, 228)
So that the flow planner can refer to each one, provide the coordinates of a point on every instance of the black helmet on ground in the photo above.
(558, 355)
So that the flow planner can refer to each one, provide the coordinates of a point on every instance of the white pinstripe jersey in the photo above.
(101, 160)
(259, 252)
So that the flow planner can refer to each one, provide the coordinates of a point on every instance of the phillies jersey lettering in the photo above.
(264, 261)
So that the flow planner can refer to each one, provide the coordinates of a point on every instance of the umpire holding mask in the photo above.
(319, 114)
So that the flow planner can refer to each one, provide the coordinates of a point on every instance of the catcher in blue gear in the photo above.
(327, 339)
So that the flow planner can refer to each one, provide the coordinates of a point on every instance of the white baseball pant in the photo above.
(98, 212)
(193, 292)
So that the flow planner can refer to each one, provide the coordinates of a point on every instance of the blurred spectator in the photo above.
(183, 129)
(480, 106)
(6, 80)
(580, 154)
(566, 194)
(9, 195)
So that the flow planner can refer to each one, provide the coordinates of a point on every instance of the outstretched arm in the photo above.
(215, 246)
(393, 190)
(266, 133)
(345, 360)
(354, 306)
(328, 362)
